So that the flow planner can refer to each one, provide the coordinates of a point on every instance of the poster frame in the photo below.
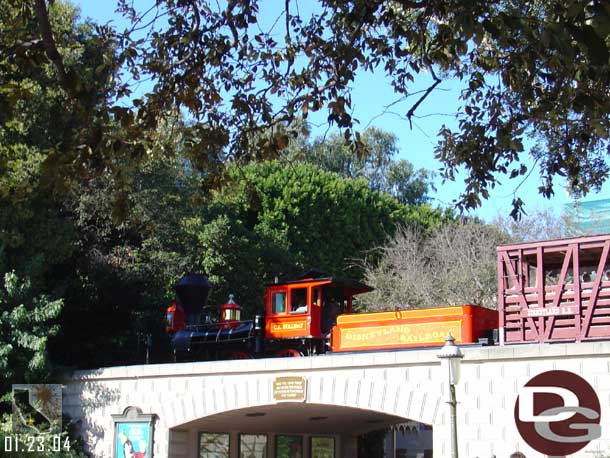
(134, 415)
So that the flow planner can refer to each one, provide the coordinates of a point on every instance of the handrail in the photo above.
(212, 326)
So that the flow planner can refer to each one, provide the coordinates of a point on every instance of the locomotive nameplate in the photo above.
(290, 326)
(293, 389)
(412, 334)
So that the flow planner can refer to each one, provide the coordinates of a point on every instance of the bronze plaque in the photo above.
(290, 389)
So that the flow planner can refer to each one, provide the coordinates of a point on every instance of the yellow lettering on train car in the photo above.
(288, 326)
(399, 335)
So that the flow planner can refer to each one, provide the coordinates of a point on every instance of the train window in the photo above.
(298, 300)
(214, 445)
(252, 445)
(288, 446)
(278, 302)
(322, 447)
(315, 294)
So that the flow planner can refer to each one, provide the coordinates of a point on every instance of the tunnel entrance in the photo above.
(302, 430)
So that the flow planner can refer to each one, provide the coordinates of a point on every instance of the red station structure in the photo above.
(556, 290)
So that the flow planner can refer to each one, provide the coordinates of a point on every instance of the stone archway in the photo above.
(371, 403)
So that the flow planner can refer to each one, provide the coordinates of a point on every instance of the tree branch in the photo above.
(287, 12)
(411, 111)
(194, 28)
(50, 47)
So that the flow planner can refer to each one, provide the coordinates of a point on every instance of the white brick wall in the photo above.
(406, 383)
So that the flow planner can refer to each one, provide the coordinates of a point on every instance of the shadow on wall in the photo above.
(80, 407)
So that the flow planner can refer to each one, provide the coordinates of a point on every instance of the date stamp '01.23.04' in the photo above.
(36, 421)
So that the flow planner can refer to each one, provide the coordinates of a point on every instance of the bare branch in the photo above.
(141, 17)
(411, 111)
(452, 265)
(287, 12)
(386, 108)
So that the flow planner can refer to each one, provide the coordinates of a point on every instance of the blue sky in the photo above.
(372, 92)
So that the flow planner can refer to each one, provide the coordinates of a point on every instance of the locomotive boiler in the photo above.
(193, 332)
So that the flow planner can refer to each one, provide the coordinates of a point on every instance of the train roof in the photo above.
(555, 242)
(314, 275)
(590, 248)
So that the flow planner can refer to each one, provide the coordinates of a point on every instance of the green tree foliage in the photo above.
(536, 69)
(374, 161)
(26, 323)
(454, 264)
(122, 272)
(64, 182)
(112, 206)
(274, 219)
(34, 121)
(42, 126)
(54, 83)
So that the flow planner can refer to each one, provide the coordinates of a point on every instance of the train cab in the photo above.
(305, 309)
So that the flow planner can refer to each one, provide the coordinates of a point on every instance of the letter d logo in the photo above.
(558, 413)
(526, 403)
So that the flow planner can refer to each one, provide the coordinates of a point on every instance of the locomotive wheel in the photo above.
(239, 355)
(289, 353)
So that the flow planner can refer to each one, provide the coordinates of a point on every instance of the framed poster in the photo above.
(133, 434)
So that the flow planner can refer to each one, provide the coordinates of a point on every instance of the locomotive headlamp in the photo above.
(451, 357)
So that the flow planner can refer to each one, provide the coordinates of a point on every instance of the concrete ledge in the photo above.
(473, 354)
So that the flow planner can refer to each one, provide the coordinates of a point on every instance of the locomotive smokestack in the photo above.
(192, 291)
